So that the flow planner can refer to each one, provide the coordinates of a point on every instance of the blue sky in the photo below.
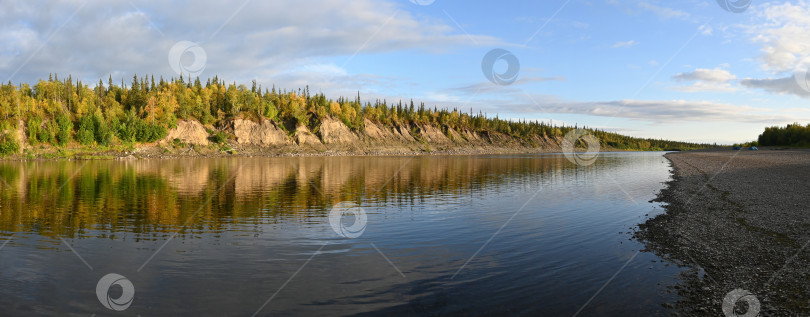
(685, 70)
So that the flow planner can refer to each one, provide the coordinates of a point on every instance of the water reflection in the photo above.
(70, 197)
(520, 234)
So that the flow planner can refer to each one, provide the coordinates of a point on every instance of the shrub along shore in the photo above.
(57, 118)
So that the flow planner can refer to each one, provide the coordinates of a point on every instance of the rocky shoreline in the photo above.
(738, 221)
(161, 151)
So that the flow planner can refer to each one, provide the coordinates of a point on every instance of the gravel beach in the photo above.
(740, 222)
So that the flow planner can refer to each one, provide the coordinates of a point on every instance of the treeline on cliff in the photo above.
(64, 112)
(790, 135)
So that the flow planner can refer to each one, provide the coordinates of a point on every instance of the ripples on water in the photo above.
(523, 234)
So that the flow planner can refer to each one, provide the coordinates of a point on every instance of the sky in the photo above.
(690, 70)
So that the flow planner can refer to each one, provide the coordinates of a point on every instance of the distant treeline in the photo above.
(791, 135)
(62, 112)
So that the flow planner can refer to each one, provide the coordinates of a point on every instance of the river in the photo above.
(332, 236)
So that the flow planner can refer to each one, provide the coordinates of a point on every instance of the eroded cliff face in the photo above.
(305, 137)
(266, 133)
(189, 132)
(433, 135)
(333, 131)
(22, 139)
(334, 136)
(377, 134)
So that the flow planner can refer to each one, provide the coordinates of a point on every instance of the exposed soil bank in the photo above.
(739, 220)
(243, 137)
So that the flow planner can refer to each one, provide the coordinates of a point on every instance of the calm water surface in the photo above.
(455, 235)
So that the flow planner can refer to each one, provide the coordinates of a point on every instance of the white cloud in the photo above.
(262, 39)
(659, 111)
(705, 30)
(663, 12)
(703, 74)
(706, 86)
(443, 98)
(783, 34)
(717, 79)
(780, 86)
(782, 31)
(330, 70)
(16, 39)
(488, 87)
(520, 103)
(625, 44)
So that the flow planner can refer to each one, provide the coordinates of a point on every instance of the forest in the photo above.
(65, 112)
(791, 135)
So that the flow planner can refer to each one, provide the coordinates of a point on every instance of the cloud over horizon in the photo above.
(259, 40)
(660, 111)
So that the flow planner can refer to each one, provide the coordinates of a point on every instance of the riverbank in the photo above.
(248, 138)
(156, 152)
(738, 220)
(171, 151)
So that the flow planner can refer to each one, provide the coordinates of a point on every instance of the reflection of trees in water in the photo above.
(158, 196)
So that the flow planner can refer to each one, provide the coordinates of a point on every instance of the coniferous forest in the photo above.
(66, 112)
(791, 135)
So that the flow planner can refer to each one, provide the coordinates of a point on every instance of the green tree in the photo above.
(86, 131)
(33, 125)
(102, 134)
(63, 128)
(8, 139)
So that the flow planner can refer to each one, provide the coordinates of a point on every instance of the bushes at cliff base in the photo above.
(8, 140)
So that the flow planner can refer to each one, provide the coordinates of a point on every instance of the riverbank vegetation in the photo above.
(62, 113)
(791, 135)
